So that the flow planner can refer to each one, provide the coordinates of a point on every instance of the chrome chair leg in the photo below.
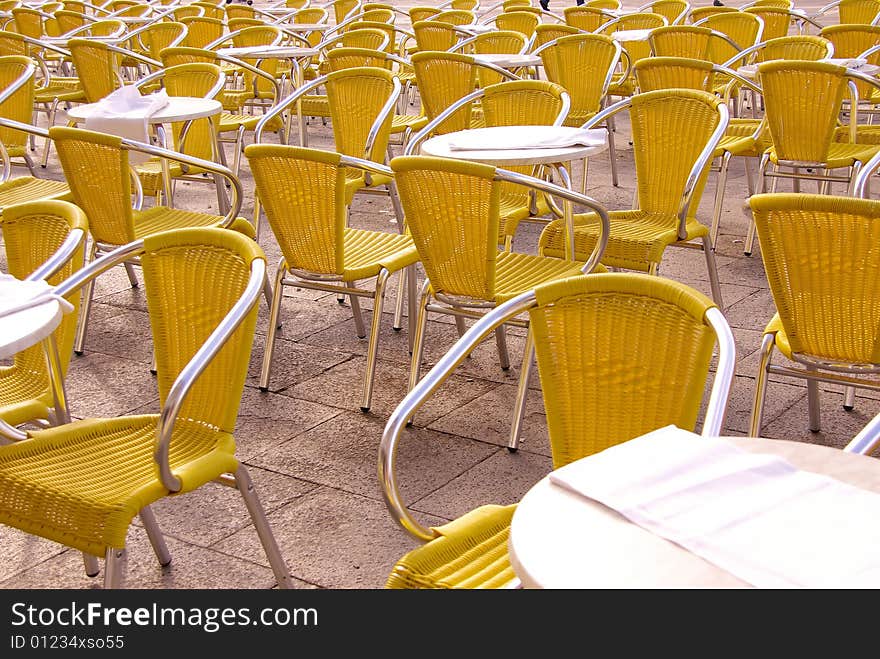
(93, 568)
(713, 272)
(132, 276)
(373, 346)
(720, 184)
(460, 326)
(501, 344)
(358, 316)
(258, 515)
(849, 398)
(84, 308)
(522, 392)
(767, 344)
(274, 313)
(813, 404)
(114, 568)
(398, 301)
(154, 533)
(419, 338)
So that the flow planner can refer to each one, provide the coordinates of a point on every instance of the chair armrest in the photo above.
(420, 393)
(867, 439)
(196, 366)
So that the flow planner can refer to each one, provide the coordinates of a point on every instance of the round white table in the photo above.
(509, 60)
(559, 539)
(179, 108)
(269, 52)
(522, 152)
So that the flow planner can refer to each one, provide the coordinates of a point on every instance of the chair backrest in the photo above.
(635, 50)
(199, 80)
(802, 102)
(651, 371)
(97, 67)
(20, 105)
(435, 35)
(655, 73)
(858, 11)
(110, 27)
(610, 5)
(211, 10)
(387, 29)
(583, 64)
(452, 210)
(777, 21)
(96, 168)
(303, 194)
(311, 15)
(499, 41)
(697, 14)
(185, 11)
(32, 232)
(357, 97)
(161, 35)
(69, 20)
(455, 17)
(347, 58)
(547, 32)
(743, 29)
(852, 40)
(362, 37)
(670, 129)
(421, 13)
(235, 24)
(821, 258)
(378, 15)
(518, 21)
(342, 9)
(202, 30)
(28, 22)
(185, 55)
(674, 10)
(681, 41)
(178, 267)
(442, 79)
(796, 46)
(586, 18)
(522, 103)
(239, 11)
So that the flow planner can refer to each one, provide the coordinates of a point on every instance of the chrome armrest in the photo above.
(386, 111)
(420, 393)
(719, 395)
(703, 161)
(867, 439)
(196, 366)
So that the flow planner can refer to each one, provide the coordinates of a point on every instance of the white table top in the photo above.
(267, 52)
(861, 66)
(179, 108)
(559, 539)
(28, 327)
(477, 28)
(307, 27)
(439, 146)
(631, 35)
(509, 60)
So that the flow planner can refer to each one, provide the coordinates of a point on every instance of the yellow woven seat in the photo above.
(443, 563)
(82, 483)
(637, 239)
(305, 192)
(46, 237)
(820, 255)
(618, 355)
(161, 218)
(517, 272)
(675, 133)
(29, 188)
(97, 474)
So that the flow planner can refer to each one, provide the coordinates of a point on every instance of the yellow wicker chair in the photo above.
(453, 212)
(202, 30)
(584, 65)
(827, 316)
(524, 22)
(153, 38)
(657, 339)
(44, 240)
(81, 484)
(851, 12)
(98, 66)
(745, 138)
(778, 21)
(455, 17)
(547, 32)
(495, 42)
(343, 9)
(675, 133)
(305, 194)
(510, 103)
(853, 41)
(675, 11)
(682, 41)
(198, 80)
(436, 36)
(17, 81)
(96, 166)
(743, 29)
(802, 102)
(588, 19)
(420, 13)
(623, 84)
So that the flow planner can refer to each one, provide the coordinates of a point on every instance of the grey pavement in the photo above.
(312, 453)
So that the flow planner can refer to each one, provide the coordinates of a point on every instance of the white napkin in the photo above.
(524, 137)
(753, 515)
(17, 295)
(848, 62)
(125, 112)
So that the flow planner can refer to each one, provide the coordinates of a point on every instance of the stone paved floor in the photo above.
(312, 452)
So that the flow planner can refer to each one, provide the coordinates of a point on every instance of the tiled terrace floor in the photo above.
(312, 452)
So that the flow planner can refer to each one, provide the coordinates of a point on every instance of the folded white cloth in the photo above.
(524, 137)
(848, 62)
(753, 515)
(17, 295)
(125, 112)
